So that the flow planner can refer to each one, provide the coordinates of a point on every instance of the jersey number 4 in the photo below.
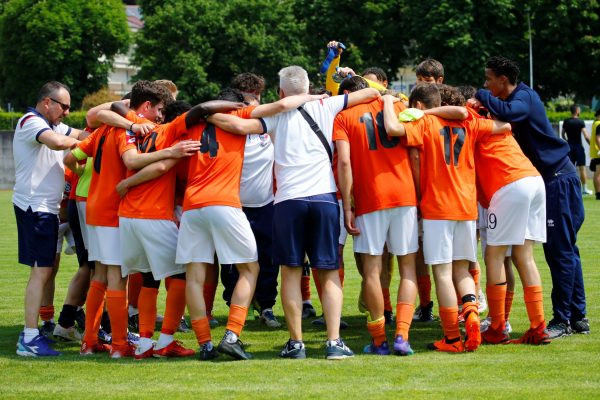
(208, 142)
(447, 132)
(386, 141)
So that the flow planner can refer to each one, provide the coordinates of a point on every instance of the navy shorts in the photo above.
(577, 155)
(38, 235)
(308, 225)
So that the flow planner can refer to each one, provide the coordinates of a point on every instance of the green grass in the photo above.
(567, 368)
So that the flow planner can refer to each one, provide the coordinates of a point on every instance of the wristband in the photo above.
(131, 127)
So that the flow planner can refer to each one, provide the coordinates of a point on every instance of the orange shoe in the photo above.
(447, 345)
(174, 349)
(492, 336)
(127, 350)
(535, 336)
(89, 349)
(472, 333)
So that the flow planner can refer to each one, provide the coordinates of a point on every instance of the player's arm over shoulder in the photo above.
(239, 126)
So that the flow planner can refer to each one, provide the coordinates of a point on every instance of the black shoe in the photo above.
(208, 352)
(235, 349)
(80, 319)
(581, 326)
(293, 349)
(308, 311)
(426, 313)
(134, 323)
(557, 329)
(389, 317)
(47, 329)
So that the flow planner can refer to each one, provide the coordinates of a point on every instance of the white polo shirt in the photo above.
(302, 166)
(39, 171)
(256, 186)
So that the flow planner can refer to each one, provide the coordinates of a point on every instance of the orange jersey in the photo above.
(106, 144)
(381, 173)
(214, 173)
(499, 161)
(155, 199)
(447, 165)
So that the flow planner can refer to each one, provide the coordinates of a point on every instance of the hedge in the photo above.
(8, 120)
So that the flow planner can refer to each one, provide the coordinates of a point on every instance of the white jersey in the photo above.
(39, 171)
(302, 166)
(256, 186)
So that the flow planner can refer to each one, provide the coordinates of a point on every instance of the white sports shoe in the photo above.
(486, 323)
(67, 334)
(268, 318)
(482, 301)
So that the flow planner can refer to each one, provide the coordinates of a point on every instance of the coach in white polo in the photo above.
(306, 215)
(39, 140)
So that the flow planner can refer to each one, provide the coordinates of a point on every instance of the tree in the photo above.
(71, 41)
(202, 44)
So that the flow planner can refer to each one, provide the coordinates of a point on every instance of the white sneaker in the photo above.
(268, 318)
(482, 302)
(586, 191)
(486, 323)
(67, 334)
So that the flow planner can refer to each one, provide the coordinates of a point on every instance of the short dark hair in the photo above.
(467, 91)
(153, 92)
(503, 66)
(430, 68)
(248, 82)
(353, 84)
(49, 90)
(378, 72)
(427, 94)
(312, 89)
(450, 95)
(574, 108)
(175, 109)
(231, 94)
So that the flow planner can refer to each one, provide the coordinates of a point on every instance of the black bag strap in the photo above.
(317, 131)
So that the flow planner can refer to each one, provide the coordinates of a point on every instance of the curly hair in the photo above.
(503, 66)
(450, 95)
(153, 92)
(249, 83)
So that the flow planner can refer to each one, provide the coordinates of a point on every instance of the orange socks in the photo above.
(47, 312)
(175, 306)
(237, 318)
(534, 304)
(134, 286)
(116, 305)
(147, 308)
(201, 328)
(315, 276)
(404, 316)
(94, 305)
(449, 317)
(496, 297)
(508, 303)
(424, 288)
(475, 274)
(387, 303)
(342, 275)
(210, 290)
(377, 330)
(305, 287)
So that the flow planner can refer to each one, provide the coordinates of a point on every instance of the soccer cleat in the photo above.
(87, 349)
(381, 350)
(389, 317)
(183, 326)
(481, 302)
(173, 349)
(507, 327)
(308, 311)
(447, 345)
(212, 321)
(104, 337)
(47, 329)
(337, 350)
(133, 323)
(424, 314)
(402, 347)
(207, 352)
(582, 326)
(127, 350)
(557, 329)
(267, 318)
(293, 349)
(492, 336)
(319, 321)
(37, 347)
(133, 338)
(67, 334)
(535, 336)
(472, 333)
(234, 349)
(585, 191)
(343, 324)
(144, 351)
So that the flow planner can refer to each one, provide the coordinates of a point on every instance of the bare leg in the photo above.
(291, 299)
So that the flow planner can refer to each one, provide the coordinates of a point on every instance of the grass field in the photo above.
(567, 368)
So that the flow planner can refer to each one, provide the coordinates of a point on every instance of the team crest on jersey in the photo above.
(131, 138)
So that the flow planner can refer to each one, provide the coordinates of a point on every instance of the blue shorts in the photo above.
(38, 234)
(307, 225)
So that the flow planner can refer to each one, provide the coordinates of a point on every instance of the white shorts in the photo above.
(343, 231)
(445, 241)
(149, 245)
(83, 222)
(105, 244)
(223, 229)
(483, 238)
(517, 212)
(398, 227)
(65, 235)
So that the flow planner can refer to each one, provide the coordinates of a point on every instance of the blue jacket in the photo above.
(531, 128)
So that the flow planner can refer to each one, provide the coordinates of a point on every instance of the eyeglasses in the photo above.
(65, 107)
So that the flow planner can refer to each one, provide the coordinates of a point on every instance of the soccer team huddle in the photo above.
(159, 190)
